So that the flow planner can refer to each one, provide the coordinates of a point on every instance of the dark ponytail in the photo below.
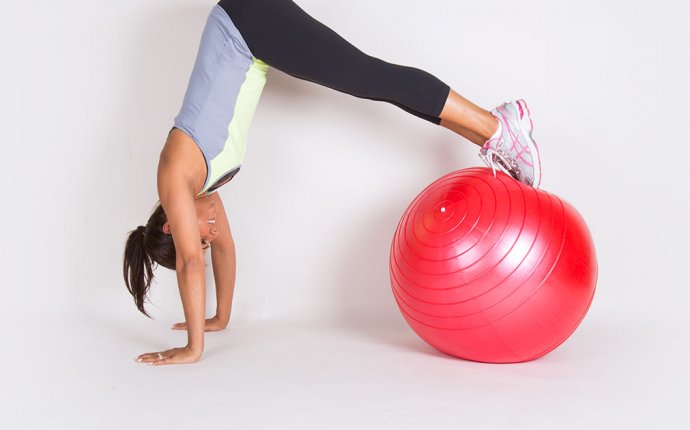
(146, 246)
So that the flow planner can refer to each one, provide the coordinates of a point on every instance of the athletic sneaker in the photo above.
(511, 149)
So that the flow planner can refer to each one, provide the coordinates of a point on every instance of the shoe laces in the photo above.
(508, 165)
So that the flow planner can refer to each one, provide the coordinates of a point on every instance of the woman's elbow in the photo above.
(192, 261)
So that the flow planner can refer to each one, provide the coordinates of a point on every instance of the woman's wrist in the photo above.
(222, 317)
(197, 351)
(195, 346)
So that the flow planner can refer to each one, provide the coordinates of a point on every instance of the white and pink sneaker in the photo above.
(511, 149)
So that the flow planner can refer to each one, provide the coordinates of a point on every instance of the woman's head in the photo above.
(152, 244)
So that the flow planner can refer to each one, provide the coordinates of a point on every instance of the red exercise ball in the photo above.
(489, 269)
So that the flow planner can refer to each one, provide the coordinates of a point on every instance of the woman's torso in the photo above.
(221, 98)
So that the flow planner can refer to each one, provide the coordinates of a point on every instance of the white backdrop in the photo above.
(90, 88)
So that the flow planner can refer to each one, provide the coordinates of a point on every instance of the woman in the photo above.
(206, 146)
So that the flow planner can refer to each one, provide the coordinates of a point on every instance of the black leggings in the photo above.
(284, 36)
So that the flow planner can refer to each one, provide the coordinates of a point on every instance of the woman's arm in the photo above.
(175, 191)
(224, 262)
(224, 266)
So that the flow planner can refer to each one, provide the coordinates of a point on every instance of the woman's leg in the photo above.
(283, 35)
(467, 119)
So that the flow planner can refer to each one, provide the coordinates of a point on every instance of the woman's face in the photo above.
(206, 217)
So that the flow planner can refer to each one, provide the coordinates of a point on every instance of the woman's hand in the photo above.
(212, 324)
(172, 356)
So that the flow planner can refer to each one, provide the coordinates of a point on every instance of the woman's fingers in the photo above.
(179, 326)
(211, 324)
(171, 356)
(149, 356)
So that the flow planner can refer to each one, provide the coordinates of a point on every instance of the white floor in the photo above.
(271, 375)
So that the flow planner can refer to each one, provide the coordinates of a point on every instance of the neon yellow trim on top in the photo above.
(235, 147)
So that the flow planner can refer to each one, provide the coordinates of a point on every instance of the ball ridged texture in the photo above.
(491, 270)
